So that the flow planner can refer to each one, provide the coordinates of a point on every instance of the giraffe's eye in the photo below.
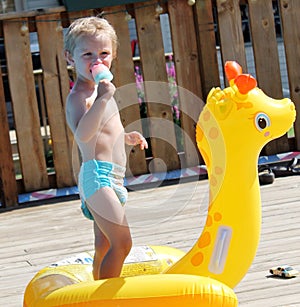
(262, 121)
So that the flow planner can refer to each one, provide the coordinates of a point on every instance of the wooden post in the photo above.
(24, 101)
(231, 33)
(163, 141)
(290, 12)
(206, 46)
(54, 71)
(126, 94)
(266, 59)
(186, 59)
(8, 184)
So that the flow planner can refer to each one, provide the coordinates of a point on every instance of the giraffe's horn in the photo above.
(232, 70)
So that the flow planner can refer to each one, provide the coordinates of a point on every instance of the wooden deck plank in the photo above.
(34, 237)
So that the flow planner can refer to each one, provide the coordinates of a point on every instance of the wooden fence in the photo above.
(38, 98)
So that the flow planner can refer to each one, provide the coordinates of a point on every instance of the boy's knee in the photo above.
(127, 244)
(124, 245)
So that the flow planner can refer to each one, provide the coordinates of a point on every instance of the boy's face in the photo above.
(91, 50)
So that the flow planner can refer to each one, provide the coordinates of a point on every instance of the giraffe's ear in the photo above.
(245, 83)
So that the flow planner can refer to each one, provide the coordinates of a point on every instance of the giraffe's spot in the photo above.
(213, 181)
(206, 116)
(246, 105)
(204, 240)
(217, 216)
(209, 221)
(218, 170)
(197, 259)
(213, 133)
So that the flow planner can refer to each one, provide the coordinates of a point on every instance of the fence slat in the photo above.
(163, 141)
(265, 54)
(186, 61)
(266, 59)
(126, 95)
(8, 185)
(64, 84)
(206, 46)
(230, 32)
(290, 12)
(48, 36)
(24, 101)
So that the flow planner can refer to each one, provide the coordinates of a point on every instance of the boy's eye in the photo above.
(87, 54)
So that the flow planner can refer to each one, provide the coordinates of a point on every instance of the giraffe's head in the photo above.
(245, 114)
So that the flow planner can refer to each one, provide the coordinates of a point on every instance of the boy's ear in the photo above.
(69, 58)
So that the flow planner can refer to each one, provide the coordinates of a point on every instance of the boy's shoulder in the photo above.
(75, 108)
(77, 96)
(76, 99)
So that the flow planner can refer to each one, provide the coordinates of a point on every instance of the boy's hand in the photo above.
(135, 138)
(106, 89)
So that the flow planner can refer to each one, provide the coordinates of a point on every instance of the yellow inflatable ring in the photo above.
(70, 283)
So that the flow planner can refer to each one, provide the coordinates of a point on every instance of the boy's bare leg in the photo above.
(109, 215)
(101, 248)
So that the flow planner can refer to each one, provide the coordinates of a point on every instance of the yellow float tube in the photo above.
(70, 283)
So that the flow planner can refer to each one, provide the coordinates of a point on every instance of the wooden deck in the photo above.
(36, 236)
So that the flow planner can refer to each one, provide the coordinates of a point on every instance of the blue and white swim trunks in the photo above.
(94, 175)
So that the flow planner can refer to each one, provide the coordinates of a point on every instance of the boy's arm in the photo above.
(85, 124)
(135, 138)
(89, 123)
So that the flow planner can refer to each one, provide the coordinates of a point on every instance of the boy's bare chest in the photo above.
(111, 110)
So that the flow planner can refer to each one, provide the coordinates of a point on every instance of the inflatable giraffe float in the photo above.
(232, 129)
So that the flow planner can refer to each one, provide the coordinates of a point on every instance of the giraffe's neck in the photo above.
(229, 240)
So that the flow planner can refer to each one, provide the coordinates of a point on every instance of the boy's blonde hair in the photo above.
(89, 26)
